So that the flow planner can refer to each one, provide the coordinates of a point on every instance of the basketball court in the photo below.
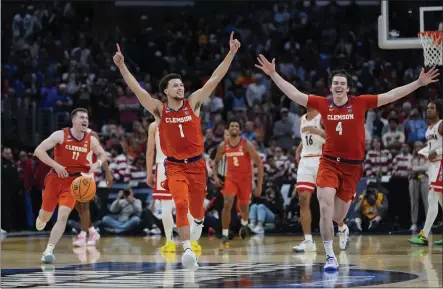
(123, 262)
(370, 260)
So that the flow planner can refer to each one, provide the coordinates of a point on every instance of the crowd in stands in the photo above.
(59, 56)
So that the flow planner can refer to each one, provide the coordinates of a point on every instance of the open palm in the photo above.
(428, 77)
(265, 65)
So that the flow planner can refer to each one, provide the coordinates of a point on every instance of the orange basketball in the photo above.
(83, 189)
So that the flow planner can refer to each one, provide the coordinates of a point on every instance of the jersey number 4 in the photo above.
(339, 128)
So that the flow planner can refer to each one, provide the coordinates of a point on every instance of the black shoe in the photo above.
(244, 232)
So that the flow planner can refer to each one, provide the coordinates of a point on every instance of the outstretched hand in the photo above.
(118, 58)
(265, 65)
(234, 44)
(428, 77)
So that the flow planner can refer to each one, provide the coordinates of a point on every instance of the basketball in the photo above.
(83, 189)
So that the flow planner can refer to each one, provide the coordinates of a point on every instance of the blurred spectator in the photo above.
(401, 165)
(418, 184)
(10, 189)
(249, 132)
(119, 164)
(128, 210)
(265, 209)
(378, 160)
(415, 127)
(128, 106)
(283, 130)
(394, 138)
(138, 170)
(256, 91)
(371, 208)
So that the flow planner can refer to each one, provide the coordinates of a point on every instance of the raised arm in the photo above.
(424, 79)
(199, 96)
(150, 154)
(288, 89)
(48, 144)
(257, 162)
(151, 104)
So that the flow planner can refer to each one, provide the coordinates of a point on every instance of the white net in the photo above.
(432, 47)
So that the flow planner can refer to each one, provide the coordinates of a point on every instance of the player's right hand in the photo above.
(118, 58)
(265, 65)
(218, 182)
(150, 180)
(61, 171)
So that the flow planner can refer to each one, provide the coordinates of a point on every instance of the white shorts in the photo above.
(159, 192)
(307, 174)
(434, 173)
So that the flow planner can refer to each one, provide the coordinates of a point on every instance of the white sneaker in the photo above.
(331, 263)
(196, 230)
(155, 231)
(343, 237)
(48, 257)
(93, 238)
(80, 240)
(305, 246)
(39, 225)
(3, 232)
(413, 228)
(258, 230)
(251, 226)
(189, 260)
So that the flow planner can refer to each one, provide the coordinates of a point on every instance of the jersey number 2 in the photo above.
(180, 126)
(75, 155)
(339, 128)
(235, 159)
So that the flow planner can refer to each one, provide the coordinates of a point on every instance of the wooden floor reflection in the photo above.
(121, 262)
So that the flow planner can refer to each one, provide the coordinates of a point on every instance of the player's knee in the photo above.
(227, 203)
(182, 206)
(305, 199)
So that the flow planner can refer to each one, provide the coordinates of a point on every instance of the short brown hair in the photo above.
(79, 109)
(342, 73)
(165, 81)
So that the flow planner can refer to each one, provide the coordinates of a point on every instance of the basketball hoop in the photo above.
(432, 47)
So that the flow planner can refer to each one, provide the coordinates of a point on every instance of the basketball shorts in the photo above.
(435, 174)
(341, 176)
(159, 192)
(240, 186)
(307, 174)
(57, 191)
(187, 184)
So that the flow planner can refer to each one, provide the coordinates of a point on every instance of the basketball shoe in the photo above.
(244, 232)
(196, 247)
(189, 260)
(80, 240)
(39, 225)
(224, 242)
(94, 236)
(305, 246)
(419, 240)
(343, 237)
(48, 257)
(439, 243)
(331, 263)
(169, 247)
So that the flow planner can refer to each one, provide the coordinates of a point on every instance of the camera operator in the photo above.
(264, 209)
(370, 208)
(127, 209)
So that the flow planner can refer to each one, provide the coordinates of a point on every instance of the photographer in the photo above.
(370, 208)
(265, 208)
(128, 211)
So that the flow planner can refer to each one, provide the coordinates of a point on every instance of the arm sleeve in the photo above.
(370, 100)
(317, 102)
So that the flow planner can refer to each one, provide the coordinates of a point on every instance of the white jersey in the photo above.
(434, 139)
(159, 156)
(312, 143)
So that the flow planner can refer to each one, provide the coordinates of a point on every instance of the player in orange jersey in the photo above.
(83, 208)
(181, 141)
(239, 154)
(71, 147)
(343, 152)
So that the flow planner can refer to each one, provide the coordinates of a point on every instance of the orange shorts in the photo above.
(343, 177)
(187, 184)
(57, 191)
(240, 187)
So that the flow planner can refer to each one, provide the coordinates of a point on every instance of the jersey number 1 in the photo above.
(180, 126)
(339, 128)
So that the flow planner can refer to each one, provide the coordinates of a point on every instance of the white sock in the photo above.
(196, 230)
(244, 222)
(167, 219)
(92, 230)
(225, 232)
(186, 245)
(49, 248)
(432, 212)
(82, 234)
(308, 237)
(328, 248)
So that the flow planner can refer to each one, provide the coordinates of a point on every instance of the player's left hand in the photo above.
(310, 129)
(109, 180)
(257, 191)
(428, 77)
(94, 167)
(432, 156)
(234, 44)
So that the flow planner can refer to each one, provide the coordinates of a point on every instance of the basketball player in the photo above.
(71, 148)
(341, 163)
(434, 142)
(308, 157)
(238, 153)
(83, 208)
(154, 148)
(181, 141)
